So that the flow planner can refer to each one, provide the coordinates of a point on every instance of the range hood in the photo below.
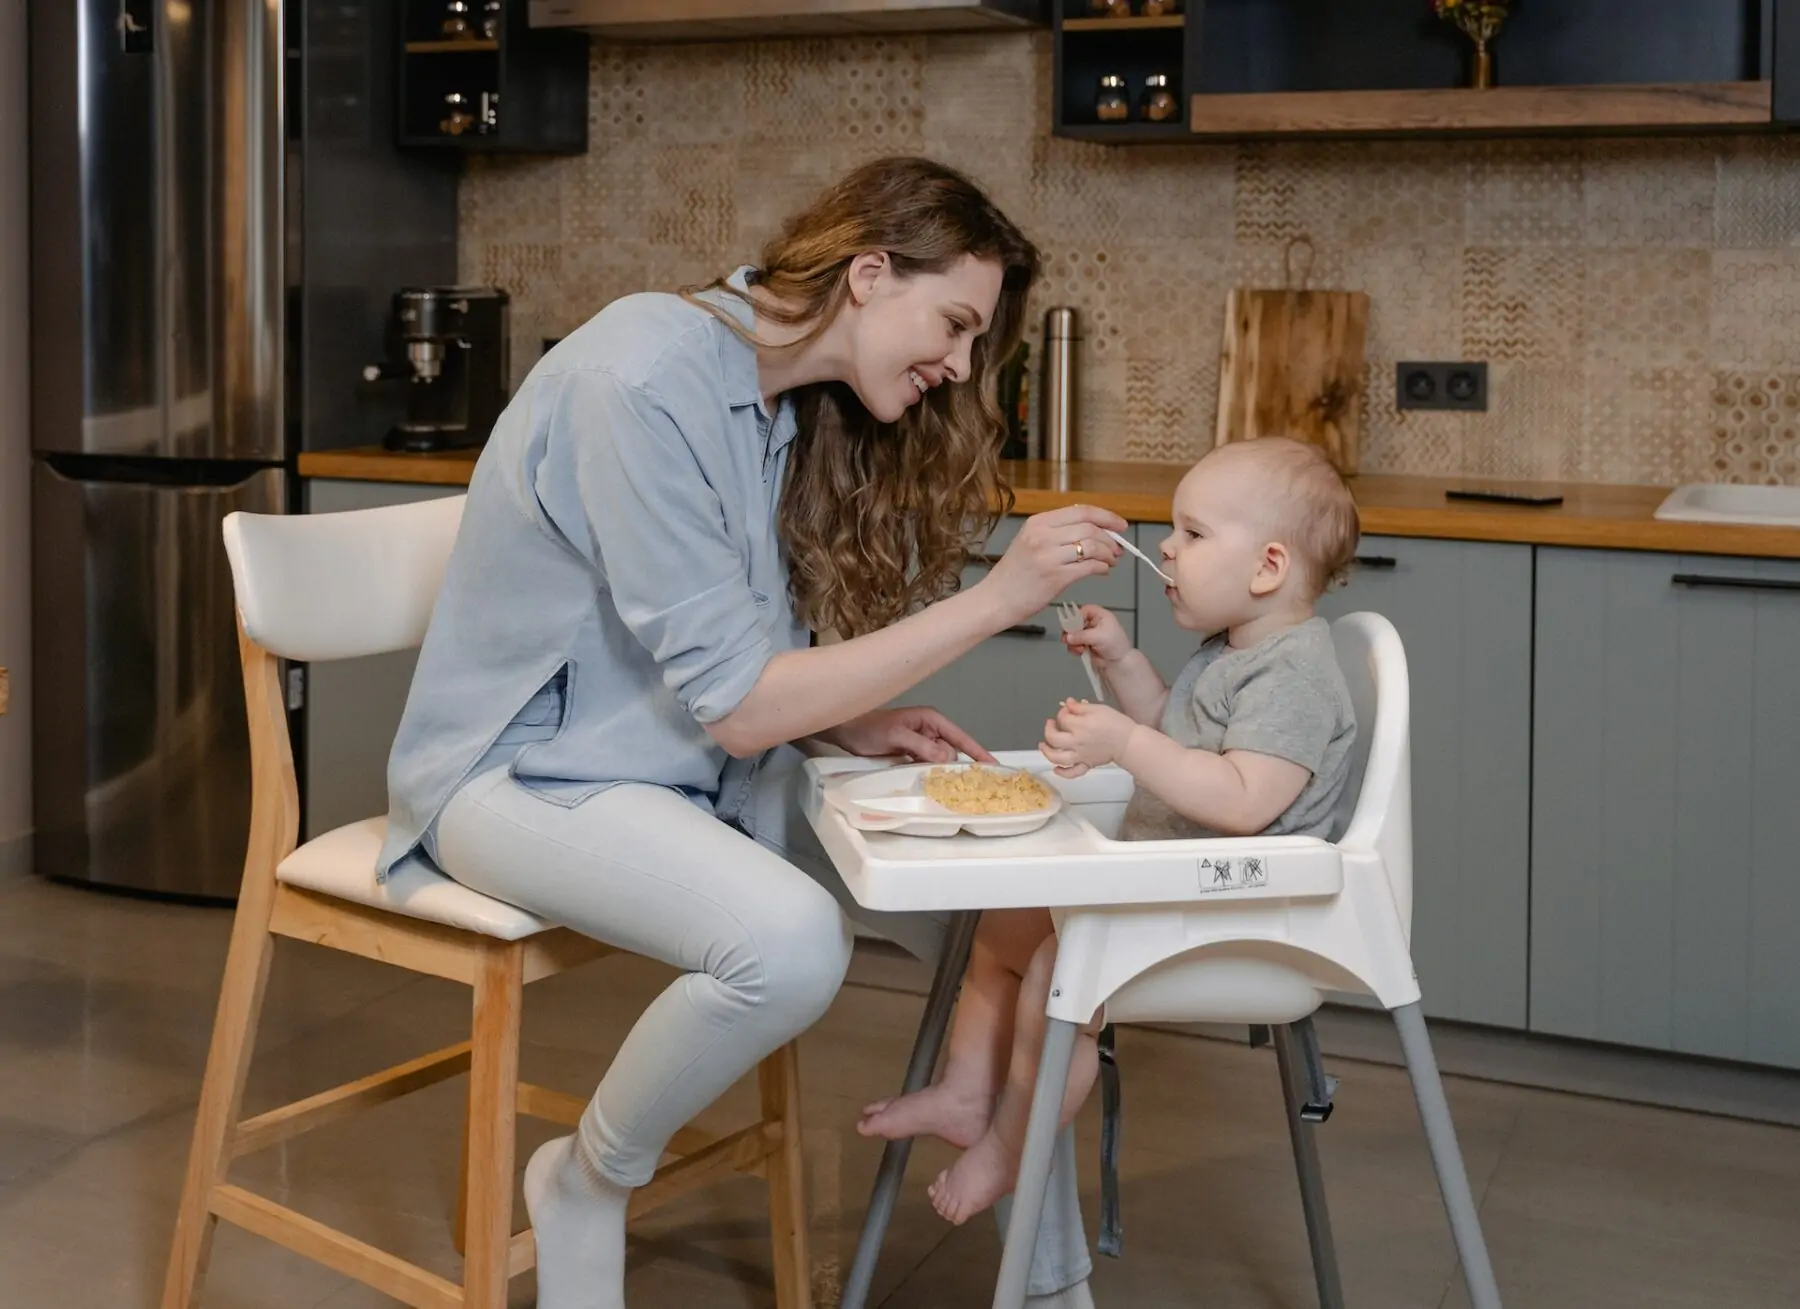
(728, 20)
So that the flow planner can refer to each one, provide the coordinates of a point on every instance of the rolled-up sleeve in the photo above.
(624, 480)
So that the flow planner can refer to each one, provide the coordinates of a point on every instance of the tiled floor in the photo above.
(105, 1007)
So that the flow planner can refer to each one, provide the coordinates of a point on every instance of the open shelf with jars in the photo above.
(474, 75)
(1120, 69)
(1275, 68)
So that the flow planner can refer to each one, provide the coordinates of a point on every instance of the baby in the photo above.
(1254, 736)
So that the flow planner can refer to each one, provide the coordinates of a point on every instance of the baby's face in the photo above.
(1215, 543)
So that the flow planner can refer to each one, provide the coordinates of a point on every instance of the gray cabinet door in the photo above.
(1463, 610)
(353, 705)
(1665, 832)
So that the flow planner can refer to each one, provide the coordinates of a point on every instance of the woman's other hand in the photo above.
(1052, 552)
(1103, 636)
(922, 734)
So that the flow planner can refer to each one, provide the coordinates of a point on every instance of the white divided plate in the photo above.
(894, 800)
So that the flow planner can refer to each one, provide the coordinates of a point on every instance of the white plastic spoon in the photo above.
(1141, 555)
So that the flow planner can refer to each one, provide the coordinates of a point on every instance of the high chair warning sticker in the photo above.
(1229, 874)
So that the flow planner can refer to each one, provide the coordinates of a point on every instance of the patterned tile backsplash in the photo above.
(1638, 300)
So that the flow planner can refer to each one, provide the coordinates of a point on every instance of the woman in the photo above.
(682, 491)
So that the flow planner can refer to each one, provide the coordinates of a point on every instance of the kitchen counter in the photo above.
(374, 464)
(1597, 516)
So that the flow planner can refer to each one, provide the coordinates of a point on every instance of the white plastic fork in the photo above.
(1154, 567)
(1068, 617)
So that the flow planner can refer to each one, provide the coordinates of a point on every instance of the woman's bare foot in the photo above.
(986, 1171)
(943, 1111)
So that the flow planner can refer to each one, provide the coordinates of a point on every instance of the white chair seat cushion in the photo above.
(341, 864)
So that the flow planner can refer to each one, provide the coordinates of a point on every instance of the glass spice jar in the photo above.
(1159, 8)
(1112, 105)
(1158, 103)
(1110, 8)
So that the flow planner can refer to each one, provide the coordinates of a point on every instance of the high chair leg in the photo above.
(1295, 1098)
(779, 1080)
(953, 959)
(493, 1110)
(1446, 1156)
(1034, 1165)
(222, 1090)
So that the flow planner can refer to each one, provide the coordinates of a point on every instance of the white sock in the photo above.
(579, 1218)
(1070, 1297)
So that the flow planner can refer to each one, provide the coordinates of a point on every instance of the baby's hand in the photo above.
(1104, 636)
(1084, 736)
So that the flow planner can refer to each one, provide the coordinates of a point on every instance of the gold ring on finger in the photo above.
(1080, 551)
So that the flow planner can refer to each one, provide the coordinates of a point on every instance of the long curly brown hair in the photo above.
(879, 518)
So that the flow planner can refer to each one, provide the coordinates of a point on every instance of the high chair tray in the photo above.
(1067, 862)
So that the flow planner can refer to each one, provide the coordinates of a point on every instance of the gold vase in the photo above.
(1483, 78)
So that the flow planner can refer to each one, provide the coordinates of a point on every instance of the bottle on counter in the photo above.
(1010, 395)
(1057, 400)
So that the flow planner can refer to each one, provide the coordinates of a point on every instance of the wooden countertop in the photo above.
(374, 464)
(1598, 516)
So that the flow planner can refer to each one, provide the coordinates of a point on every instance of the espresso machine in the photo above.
(450, 346)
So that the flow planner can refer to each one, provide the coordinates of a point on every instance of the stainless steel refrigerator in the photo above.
(219, 218)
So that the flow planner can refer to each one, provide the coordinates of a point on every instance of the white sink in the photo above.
(1704, 502)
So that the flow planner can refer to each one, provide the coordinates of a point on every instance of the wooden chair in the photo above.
(335, 586)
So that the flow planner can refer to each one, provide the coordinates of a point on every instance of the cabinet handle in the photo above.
(1735, 583)
(1026, 629)
(1377, 561)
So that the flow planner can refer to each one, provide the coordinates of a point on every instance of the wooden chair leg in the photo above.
(222, 1091)
(493, 1110)
(779, 1080)
(459, 1226)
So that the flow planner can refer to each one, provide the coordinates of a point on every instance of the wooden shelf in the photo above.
(1501, 109)
(1123, 24)
(449, 47)
(1138, 133)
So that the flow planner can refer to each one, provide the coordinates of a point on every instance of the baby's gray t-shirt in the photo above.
(1284, 696)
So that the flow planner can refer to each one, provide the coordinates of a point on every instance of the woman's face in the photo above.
(910, 333)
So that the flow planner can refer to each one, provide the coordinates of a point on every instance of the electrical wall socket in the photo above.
(1460, 386)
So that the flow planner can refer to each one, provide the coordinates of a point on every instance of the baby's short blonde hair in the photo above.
(1307, 507)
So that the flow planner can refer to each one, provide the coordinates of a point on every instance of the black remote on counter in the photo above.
(1506, 497)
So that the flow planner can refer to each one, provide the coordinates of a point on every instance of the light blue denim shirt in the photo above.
(617, 580)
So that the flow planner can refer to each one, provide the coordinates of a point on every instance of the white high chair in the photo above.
(1256, 945)
(336, 586)
(1255, 930)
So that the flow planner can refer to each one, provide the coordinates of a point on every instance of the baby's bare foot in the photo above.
(986, 1171)
(941, 1111)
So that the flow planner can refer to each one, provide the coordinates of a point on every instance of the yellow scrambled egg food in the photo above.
(978, 790)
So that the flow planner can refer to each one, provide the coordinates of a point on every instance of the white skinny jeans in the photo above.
(754, 925)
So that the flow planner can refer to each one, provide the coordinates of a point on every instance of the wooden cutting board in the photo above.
(1292, 365)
